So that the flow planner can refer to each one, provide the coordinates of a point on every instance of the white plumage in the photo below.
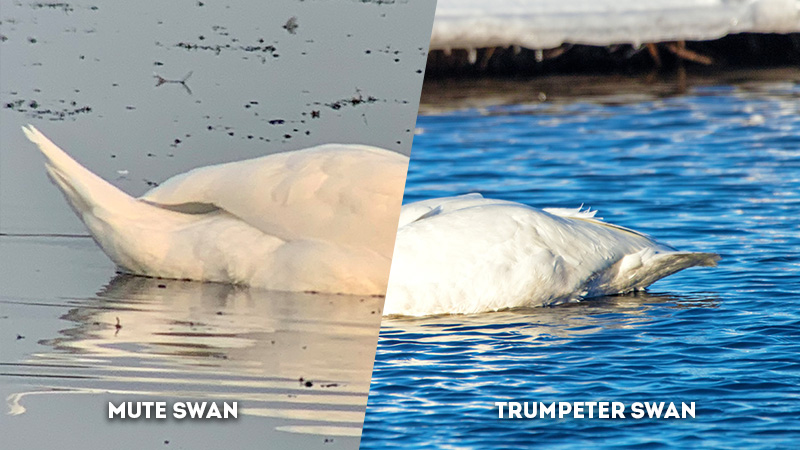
(323, 219)
(320, 219)
(469, 254)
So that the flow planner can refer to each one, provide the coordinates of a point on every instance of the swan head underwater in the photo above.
(320, 219)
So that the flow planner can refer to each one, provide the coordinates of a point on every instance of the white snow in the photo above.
(543, 24)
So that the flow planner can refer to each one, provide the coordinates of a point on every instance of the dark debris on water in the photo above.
(356, 100)
(34, 109)
(260, 49)
(63, 6)
(291, 25)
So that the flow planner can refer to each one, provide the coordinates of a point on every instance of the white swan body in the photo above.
(319, 219)
(469, 254)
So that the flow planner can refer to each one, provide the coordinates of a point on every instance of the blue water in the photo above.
(716, 169)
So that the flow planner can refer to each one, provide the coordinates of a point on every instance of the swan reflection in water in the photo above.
(544, 326)
(302, 358)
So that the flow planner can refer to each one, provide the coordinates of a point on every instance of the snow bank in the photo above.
(543, 24)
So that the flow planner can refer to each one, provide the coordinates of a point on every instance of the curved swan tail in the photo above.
(88, 194)
(662, 265)
(666, 264)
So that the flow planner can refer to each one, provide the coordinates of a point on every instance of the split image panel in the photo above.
(618, 123)
(251, 271)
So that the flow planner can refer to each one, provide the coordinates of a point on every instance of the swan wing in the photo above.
(428, 208)
(349, 194)
(425, 209)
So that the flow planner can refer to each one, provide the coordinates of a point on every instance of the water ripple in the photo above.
(278, 354)
(716, 170)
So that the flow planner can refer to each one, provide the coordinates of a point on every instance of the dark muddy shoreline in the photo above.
(736, 51)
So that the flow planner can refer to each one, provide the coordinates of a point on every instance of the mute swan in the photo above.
(320, 219)
(469, 254)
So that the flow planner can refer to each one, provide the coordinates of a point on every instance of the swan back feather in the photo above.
(340, 193)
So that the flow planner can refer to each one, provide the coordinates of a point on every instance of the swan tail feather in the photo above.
(640, 270)
(87, 193)
(665, 264)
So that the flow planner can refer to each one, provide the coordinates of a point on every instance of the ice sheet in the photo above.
(542, 24)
